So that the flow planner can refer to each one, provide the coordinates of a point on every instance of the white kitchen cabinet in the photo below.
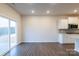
(76, 45)
(67, 38)
(73, 20)
(60, 38)
(63, 24)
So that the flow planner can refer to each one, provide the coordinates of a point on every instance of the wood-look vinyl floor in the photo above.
(43, 49)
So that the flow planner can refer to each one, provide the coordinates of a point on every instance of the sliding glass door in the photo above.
(4, 35)
(8, 35)
(13, 34)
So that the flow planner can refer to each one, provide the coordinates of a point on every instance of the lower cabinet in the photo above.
(76, 45)
(67, 38)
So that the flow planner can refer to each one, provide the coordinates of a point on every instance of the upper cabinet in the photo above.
(73, 20)
(63, 24)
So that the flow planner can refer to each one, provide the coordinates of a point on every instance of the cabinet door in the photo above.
(61, 38)
(63, 24)
(73, 20)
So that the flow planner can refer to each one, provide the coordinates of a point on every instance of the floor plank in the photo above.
(43, 49)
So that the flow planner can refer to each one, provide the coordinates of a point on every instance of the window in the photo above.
(4, 35)
(8, 36)
(13, 33)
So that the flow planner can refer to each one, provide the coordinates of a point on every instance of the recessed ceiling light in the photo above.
(75, 11)
(33, 11)
(47, 11)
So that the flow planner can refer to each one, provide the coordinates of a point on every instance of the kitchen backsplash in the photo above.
(69, 31)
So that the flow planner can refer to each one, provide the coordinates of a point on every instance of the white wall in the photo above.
(40, 29)
(8, 12)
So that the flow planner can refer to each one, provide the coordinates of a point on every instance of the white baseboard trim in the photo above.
(39, 42)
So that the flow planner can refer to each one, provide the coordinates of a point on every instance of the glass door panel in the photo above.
(4, 35)
(13, 34)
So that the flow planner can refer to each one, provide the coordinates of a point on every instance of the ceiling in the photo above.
(41, 8)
